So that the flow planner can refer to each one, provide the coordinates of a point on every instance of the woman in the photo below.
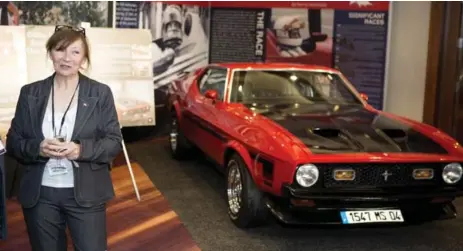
(65, 132)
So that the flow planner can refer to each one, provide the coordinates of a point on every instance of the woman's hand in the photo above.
(71, 152)
(51, 148)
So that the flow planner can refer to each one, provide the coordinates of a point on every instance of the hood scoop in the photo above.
(326, 140)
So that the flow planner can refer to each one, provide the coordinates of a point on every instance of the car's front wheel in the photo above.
(179, 146)
(246, 206)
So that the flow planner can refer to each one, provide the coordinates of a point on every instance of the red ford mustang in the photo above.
(300, 143)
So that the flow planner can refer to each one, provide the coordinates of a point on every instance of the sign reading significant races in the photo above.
(238, 35)
(360, 51)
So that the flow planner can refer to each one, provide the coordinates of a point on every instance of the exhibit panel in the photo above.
(350, 36)
(97, 13)
(12, 63)
(121, 58)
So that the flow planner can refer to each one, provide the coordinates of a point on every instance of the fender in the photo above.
(176, 108)
(244, 154)
(442, 138)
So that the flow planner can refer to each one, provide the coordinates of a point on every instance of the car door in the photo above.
(193, 122)
(201, 124)
(214, 142)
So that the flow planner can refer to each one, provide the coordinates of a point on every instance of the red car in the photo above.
(300, 143)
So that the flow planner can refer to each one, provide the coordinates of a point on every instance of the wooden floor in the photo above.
(132, 225)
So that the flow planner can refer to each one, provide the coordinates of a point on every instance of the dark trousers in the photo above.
(46, 222)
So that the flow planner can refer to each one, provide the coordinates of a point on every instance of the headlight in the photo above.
(307, 175)
(452, 173)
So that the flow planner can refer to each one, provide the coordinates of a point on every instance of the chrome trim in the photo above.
(234, 188)
(421, 169)
(348, 84)
(386, 175)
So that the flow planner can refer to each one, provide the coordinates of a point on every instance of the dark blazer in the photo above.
(96, 129)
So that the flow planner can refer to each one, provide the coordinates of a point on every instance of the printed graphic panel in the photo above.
(180, 44)
(13, 70)
(301, 36)
(58, 12)
(360, 51)
(121, 58)
(180, 40)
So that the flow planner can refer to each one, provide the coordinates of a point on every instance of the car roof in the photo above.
(255, 65)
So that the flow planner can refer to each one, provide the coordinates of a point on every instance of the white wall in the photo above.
(408, 50)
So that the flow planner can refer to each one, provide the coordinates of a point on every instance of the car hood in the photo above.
(326, 128)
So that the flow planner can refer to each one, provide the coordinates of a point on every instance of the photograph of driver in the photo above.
(300, 36)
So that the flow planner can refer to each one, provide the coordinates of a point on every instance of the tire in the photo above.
(246, 207)
(178, 144)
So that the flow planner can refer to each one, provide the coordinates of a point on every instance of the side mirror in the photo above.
(364, 96)
(211, 94)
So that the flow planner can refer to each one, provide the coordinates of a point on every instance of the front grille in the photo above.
(373, 175)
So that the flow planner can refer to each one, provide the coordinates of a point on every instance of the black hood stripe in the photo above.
(350, 128)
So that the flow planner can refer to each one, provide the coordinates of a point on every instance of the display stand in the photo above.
(129, 166)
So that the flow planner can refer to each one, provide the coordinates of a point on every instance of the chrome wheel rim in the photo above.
(234, 187)
(173, 134)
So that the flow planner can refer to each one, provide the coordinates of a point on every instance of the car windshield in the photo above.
(278, 87)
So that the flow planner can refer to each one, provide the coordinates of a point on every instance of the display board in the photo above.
(121, 58)
(97, 13)
(180, 41)
(350, 36)
(12, 63)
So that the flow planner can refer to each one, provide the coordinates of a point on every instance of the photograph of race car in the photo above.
(134, 112)
(301, 144)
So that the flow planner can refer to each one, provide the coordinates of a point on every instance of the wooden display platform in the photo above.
(147, 225)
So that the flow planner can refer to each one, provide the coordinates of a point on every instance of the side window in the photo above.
(214, 79)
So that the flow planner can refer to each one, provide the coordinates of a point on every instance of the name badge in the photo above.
(57, 170)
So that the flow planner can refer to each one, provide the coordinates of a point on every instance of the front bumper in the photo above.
(323, 206)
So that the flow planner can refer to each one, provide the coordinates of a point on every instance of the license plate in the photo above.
(371, 216)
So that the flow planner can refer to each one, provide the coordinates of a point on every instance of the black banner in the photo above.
(127, 14)
(238, 35)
